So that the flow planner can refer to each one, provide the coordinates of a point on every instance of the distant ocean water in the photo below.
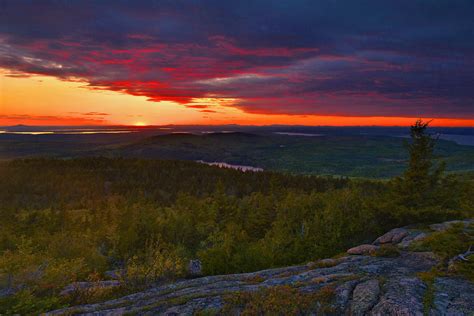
(466, 140)
(299, 134)
(37, 131)
(462, 136)
(459, 139)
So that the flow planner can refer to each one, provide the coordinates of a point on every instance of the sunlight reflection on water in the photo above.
(231, 166)
(298, 134)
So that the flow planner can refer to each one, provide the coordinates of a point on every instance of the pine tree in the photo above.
(421, 178)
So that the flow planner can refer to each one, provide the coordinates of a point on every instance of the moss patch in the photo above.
(448, 244)
(464, 268)
(428, 278)
(390, 251)
(255, 279)
(207, 312)
(324, 263)
(279, 300)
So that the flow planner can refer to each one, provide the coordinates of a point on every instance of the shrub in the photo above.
(25, 302)
(387, 251)
(447, 245)
(279, 300)
(156, 263)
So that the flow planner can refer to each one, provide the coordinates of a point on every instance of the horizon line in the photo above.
(216, 125)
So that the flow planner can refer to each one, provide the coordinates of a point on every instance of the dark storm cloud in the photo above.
(400, 58)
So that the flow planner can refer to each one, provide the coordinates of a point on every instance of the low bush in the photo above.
(279, 300)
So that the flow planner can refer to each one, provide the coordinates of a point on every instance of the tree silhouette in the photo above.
(421, 178)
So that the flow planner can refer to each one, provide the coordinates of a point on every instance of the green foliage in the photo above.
(154, 264)
(421, 181)
(428, 297)
(421, 154)
(62, 221)
(387, 251)
(448, 244)
(464, 268)
(230, 251)
(324, 263)
(207, 312)
(25, 302)
(93, 294)
(340, 151)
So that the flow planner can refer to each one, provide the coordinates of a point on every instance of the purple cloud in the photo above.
(370, 58)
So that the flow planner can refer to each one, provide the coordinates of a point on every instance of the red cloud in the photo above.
(208, 111)
(272, 80)
(49, 120)
(196, 106)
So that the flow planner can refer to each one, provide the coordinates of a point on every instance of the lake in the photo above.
(231, 166)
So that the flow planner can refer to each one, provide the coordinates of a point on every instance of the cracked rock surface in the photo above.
(363, 283)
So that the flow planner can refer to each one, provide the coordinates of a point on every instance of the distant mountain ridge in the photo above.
(349, 151)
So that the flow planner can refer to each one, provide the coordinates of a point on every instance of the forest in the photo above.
(370, 152)
(78, 219)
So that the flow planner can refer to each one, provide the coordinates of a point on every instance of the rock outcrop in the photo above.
(394, 236)
(364, 297)
(363, 282)
(81, 286)
(195, 268)
(363, 250)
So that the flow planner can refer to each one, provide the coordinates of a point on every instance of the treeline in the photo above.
(39, 183)
(70, 220)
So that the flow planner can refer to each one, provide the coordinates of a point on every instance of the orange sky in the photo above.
(41, 100)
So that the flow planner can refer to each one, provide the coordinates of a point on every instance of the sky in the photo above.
(314, 62)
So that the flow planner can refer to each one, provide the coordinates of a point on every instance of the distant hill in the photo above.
(350, 155)
(375, 152)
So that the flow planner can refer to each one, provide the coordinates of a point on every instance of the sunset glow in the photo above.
(284, 70)
(140, 124)
(73, 103)
(154, 154)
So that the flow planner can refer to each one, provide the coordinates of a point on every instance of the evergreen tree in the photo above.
(421, 178)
